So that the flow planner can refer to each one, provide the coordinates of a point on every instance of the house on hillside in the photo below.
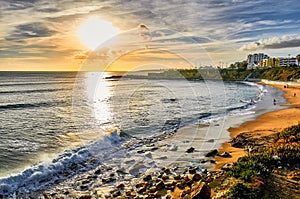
(254, 59)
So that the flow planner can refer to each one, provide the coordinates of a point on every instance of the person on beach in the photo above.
(274, 102)
(294, 94)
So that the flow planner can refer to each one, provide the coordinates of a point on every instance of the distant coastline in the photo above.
(227, 74)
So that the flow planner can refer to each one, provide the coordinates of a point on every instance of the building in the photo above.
(253, 60)
(263, 63)
(270, 62)
(288, 61)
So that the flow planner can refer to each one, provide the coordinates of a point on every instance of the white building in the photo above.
(288, 61)
(253, 60)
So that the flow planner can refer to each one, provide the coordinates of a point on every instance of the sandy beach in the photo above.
(264, 125)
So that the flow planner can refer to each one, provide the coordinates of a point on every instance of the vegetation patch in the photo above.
(258, 167)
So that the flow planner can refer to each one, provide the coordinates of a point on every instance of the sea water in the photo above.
(51, 120)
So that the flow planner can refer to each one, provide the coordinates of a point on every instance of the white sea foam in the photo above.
(66, 165)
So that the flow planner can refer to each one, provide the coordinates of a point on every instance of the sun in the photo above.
(94, 31)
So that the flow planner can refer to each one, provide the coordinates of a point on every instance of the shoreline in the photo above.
(169, 153)
(264, 125)
(178, 172)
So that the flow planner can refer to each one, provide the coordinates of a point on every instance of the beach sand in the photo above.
(264, 125)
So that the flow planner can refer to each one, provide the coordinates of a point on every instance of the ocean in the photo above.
(51, 121)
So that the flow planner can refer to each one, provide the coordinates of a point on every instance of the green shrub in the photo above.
(241, 191)
(293, 130)
(247, 168)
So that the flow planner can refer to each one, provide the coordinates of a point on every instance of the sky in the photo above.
(131, 34)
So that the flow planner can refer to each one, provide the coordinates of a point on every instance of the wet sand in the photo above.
(264, 125)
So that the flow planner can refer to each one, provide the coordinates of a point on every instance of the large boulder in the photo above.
(202, 191)
(212, 153)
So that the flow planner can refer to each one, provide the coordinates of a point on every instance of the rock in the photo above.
(226, 167)
(121, 186)
(121, 171)
(86, 181)
(177, 177)
(116, 193)
(193, 170)
(160, 185)
(141, 151)
(85, 197)
(147, 178)
(190, 150)
(154, 148)
(196, 177)
(97, 172)
(186, 178)
(108, 180)
(166, 170)
(142, 190)
(165, 177)
(138, 185)
(189, 183)
(128, 193)
(180, 185)
(212, 153)
(239, 142)
(224, 155)
(65, 192)
(170, 185)
(152, 189)
(202, 191)
(186, 192)
(84, 187)
(146, 184)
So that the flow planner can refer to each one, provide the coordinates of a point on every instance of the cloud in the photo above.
(17, 4)
(285, 41)
(30, 30)
(218, 25)
(82, 55)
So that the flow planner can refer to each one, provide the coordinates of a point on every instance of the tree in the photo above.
(298, 59)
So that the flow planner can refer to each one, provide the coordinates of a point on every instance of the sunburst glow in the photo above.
(95, 31)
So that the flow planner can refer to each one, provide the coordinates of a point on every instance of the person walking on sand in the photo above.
(274, 102)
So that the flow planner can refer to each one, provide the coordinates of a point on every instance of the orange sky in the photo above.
(60, 35)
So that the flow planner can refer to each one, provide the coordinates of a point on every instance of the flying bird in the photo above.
(143, 26)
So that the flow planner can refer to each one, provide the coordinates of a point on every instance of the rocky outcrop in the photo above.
(202, 191)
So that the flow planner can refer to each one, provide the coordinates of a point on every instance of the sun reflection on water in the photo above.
(99, 92)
